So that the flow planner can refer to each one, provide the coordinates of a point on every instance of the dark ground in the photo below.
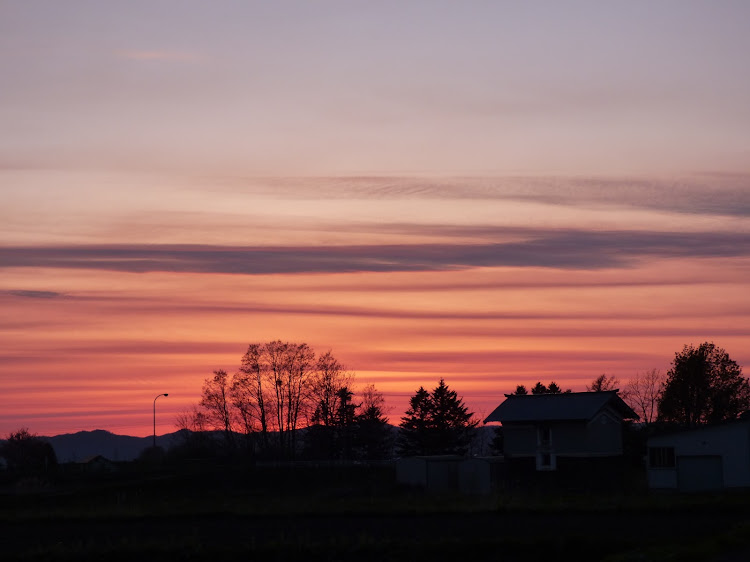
(231, 513)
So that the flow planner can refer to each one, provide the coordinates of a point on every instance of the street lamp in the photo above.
(165, 394)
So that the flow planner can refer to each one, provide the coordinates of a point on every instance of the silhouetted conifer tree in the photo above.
(436, 423)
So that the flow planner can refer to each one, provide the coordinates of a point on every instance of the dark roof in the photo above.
(94, 458)
(558, 407)
(672, 431)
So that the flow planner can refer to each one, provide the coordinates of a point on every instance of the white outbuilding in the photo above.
(707, 458)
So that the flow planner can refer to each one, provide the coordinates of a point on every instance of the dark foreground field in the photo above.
(352, 514)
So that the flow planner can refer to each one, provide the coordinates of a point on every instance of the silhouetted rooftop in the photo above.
(558, 407)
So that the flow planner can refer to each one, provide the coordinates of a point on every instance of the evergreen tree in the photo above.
(345, 423)
(436, 423)
(553, 388)
(415, 425)
(539, 388)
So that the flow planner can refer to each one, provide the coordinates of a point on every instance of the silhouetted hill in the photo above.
(84, 444)
(79, 446)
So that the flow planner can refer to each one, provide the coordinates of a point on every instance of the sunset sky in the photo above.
(492, 192)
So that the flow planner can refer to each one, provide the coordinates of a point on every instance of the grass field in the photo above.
(353, 513)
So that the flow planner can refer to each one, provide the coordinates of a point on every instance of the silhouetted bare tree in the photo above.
(643, 393)
(603, 382)
(325, 389)
(192, 419)
(281, 387)
(292, 366)
(250, 392)
(216, 405)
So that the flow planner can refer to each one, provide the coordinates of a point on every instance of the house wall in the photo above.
(602, 436)
(519, 439)
(568, 438)
(727, 444)
(662, 478)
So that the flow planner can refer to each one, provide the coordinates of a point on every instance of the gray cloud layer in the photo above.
(29, 294)
(565, 249)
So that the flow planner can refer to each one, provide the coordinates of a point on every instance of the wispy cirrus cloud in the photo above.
(697, 194)
(144, 306)
(561, 249)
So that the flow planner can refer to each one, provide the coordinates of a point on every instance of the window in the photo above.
(661, 457)
(546, 461)
(544, 436)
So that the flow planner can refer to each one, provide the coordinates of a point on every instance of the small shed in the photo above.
(713, 457)
(438, 473)
(479, 476)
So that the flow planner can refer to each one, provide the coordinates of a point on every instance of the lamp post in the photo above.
(165, 394)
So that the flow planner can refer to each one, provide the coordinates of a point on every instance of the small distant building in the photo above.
(97, 464)
(545, 431)
(714, 457)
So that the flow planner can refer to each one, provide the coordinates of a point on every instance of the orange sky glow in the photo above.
(427, 190)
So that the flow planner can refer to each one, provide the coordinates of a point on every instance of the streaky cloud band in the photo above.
(560, 249)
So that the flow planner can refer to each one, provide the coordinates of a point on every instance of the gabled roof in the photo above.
(558, 407)
(94, 458)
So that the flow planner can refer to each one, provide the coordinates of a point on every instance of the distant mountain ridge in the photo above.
(76, 447)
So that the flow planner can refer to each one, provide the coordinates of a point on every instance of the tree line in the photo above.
(703, 386)
(282, 387)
